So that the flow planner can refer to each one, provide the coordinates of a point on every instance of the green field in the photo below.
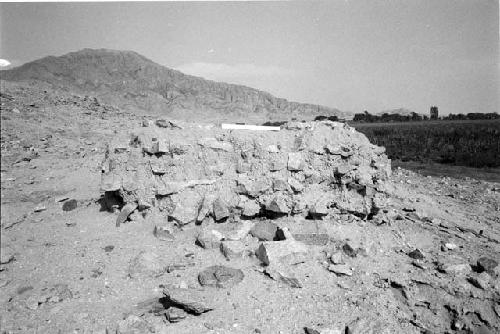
(457, 143)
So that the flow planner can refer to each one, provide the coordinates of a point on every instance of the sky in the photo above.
(350, 55)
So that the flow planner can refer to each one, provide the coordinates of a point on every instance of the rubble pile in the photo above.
(193, 173)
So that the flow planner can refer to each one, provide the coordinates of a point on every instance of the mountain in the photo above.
(400, 111)
(131, 81)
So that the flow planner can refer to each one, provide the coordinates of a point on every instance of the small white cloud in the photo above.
(211, 51)
(4, 62)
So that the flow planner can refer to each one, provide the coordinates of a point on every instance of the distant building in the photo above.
(434, 112)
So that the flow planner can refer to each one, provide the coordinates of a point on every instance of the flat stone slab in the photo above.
(191, 301)
(272, 251)
(220, 277)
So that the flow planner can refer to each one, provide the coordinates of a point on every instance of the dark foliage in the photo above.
(464, 143)
(276, 123)
(324, 118)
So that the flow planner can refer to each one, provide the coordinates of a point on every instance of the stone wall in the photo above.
(190, 173)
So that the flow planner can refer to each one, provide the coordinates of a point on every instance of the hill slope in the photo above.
(129, 80)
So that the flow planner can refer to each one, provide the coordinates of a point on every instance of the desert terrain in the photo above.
(203, 236)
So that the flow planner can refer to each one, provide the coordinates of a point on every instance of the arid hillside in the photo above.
(131, 81)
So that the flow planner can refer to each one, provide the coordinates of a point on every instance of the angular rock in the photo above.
(273, 149)
(449, 246)
(340, 269)
(272, 251)
(336, 258)
(6, 254)
(278, 205)
(174, 315)
(244, 228)
(216, 145)
(70, 205)
(296, 185)
(220, 277)
(280, 185)
(206, 207)
(220, 209)
(209, 239)
(456, 269)
(277, 164)
(133, 325)
(486, 264)
(233, 249)
(146, 264)
(319, 210)
(192, 301)
(480, 281)
(164, 233)
(295, 161)
(125, 212)
(416, 254)
(280, 276)
(264, 231)
(349, 250)
(366, 325)
(186, 209)
(252, 188)
(250, 209)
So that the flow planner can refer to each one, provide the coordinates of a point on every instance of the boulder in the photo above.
(416, 254)
(220, 209)
(250, 209)
(271, 252)
(146, 264)
(264, 231)
(174, 315)
(486, 264)
(209, 239)
(295, 161)
(455, 269)
(70, 205)
(220, 277)
(280, 185)
(295, 184)
(278, 205)
(336, 258)
(319, 209)
(233, 249)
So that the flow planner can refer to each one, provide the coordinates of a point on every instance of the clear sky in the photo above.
(352, 55)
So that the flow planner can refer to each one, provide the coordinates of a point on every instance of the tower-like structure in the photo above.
(434, 112)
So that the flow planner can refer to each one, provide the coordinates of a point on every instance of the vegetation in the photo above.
(463, 143)
(366, 117)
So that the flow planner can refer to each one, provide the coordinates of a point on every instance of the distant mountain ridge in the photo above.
(130, 80)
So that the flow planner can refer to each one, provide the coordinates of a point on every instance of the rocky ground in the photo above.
(426, 262)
